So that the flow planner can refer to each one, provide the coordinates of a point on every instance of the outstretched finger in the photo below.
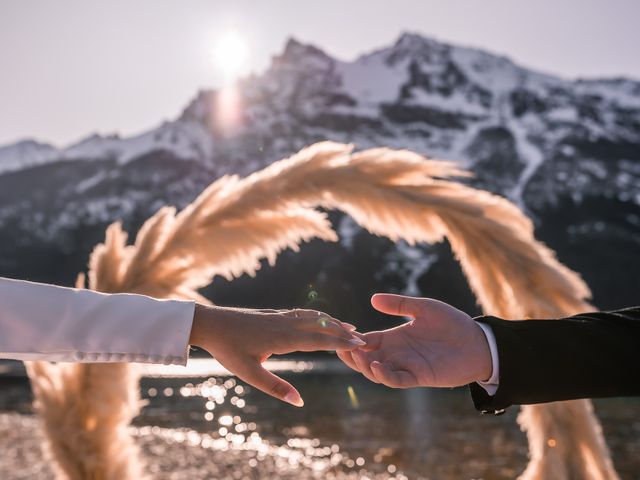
(373, 339)
(385, 374)
(400, 305)
(327, 325)
(305, 313)
(312, 341)
(363, 362)
(348, 326)
(255, 374)
(316, 320)
(347, 359)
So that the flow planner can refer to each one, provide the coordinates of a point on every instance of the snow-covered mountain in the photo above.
(568, 151)
(421, 94)
(181, 138)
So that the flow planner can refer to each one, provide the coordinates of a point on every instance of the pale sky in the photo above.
(69, 68)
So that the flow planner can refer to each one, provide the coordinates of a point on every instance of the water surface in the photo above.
(348, 424)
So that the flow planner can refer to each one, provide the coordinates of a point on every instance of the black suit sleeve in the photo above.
(585, 356)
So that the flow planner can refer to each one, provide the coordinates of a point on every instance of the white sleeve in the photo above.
(491, 385)
(45, 322)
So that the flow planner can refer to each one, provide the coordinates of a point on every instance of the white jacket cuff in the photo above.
(45, 322)
(491, 385)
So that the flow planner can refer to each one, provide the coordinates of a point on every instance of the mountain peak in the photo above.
(295, 50)
(415, 40)
(416, 91)
(412, 46)
(25, 153)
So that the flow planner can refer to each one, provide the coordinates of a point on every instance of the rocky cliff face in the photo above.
(568, 151)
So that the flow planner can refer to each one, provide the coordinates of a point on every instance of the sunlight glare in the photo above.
(231, 54)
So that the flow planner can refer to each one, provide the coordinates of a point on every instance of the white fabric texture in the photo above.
(491, 385)
(45, 322)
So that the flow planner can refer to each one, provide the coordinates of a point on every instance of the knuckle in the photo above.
(402, 303)
(407, 306)
(346, 336)
(293, 313)
(277, 389)
(319, 337)
(287, 338)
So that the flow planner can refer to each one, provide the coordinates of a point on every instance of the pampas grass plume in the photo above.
(236, 222)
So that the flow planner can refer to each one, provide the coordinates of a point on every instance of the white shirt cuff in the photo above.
(491, 385)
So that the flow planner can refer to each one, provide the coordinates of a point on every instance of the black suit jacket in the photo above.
(585, 356)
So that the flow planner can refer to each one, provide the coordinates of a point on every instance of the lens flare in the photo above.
(231, 54)
(353, 397)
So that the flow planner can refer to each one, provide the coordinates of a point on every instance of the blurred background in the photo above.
(110, 110)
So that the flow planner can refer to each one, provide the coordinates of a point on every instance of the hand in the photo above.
(242, 339)
(440, 347)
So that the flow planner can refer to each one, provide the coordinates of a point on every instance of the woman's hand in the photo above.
(242, 339)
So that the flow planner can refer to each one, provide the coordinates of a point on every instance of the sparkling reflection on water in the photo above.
(217, 410)
(199, 423)
(418, 433)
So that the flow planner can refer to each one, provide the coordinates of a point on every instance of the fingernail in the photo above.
(356, 341)
(350, 327)
(294, 399)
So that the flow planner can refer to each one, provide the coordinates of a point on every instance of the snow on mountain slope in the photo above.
(507, 123)
(186, 139)
(418, 93)
(25, 154)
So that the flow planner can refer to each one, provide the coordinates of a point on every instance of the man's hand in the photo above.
(440, 347)
(242, 339)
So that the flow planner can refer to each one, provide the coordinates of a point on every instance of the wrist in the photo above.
(205, 320)
(196, 327)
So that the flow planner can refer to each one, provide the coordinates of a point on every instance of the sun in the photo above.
(231, 54)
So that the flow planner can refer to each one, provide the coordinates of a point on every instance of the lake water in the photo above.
(348, 424)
